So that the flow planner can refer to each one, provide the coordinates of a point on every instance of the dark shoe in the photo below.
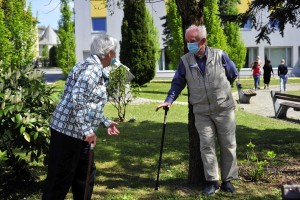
(211, 188)
(226, 186)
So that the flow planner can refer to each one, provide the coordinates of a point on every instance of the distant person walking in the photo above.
(260, 65)
(259, 61)
(256, 74)
(282, 73)
(268, 69)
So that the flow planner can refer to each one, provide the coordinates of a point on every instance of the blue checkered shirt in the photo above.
(80, 111)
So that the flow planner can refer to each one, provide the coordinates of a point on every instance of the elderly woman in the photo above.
(75, 121)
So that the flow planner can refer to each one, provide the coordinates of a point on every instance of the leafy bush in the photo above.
(26, 105)
(119, 90)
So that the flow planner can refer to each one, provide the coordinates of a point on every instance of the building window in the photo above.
(99, 24)
(247, 26)
(276, 54)
(164, 61)
(274, 24)
(252, 53)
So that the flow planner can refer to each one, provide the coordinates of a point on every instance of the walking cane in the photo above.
(161, 146)
(91, 154)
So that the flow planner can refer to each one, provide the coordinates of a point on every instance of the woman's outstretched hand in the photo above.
(112, 129)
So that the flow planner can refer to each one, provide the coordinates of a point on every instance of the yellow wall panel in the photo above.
(98, 8)
(243, 6)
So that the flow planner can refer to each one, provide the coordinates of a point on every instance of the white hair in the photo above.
(201, 30)
(102, 44)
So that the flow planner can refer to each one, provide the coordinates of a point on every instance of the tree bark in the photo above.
(191, 12)
(196, 171)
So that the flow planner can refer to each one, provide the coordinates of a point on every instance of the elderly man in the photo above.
(208, 72)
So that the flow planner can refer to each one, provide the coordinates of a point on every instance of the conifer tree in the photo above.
(215, 33)
(66, 57)
(6, 46)
(52, 56)
(173, 35)
(236, 47)
(153, 35)
(45, 54)
(22, 28)
(136, 50)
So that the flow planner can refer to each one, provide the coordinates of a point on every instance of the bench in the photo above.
(290, 101)
(244, 95)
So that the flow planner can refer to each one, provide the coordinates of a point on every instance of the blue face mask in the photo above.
(113, 60)
(193, 47)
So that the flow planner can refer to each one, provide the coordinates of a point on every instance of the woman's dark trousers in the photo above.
(68, 166)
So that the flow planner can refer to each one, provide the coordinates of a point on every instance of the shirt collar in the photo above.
(205, 54)
(96, 58)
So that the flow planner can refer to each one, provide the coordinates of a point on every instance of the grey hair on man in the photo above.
(201, 30)
(102, 44)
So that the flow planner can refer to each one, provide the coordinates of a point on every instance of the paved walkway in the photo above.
(262, 104)
(52, 74)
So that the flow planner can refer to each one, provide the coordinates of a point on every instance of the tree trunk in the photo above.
(196, 171)
(191, 12)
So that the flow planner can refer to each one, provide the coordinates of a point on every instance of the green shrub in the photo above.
(26, 105)
(119, 90)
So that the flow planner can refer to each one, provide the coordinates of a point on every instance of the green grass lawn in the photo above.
(127, 164)
(158, 89)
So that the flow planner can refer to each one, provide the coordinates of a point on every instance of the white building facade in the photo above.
(92, 18)
(86, 27)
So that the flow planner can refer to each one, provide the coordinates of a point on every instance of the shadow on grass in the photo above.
(135, 154)
(13, 188)
(281, 141)
(130, 162)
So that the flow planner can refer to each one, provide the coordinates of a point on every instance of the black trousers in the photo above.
(68, 166)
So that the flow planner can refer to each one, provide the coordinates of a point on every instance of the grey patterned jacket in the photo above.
(80, 110)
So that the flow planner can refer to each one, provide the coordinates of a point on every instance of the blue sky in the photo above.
(47, 11)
